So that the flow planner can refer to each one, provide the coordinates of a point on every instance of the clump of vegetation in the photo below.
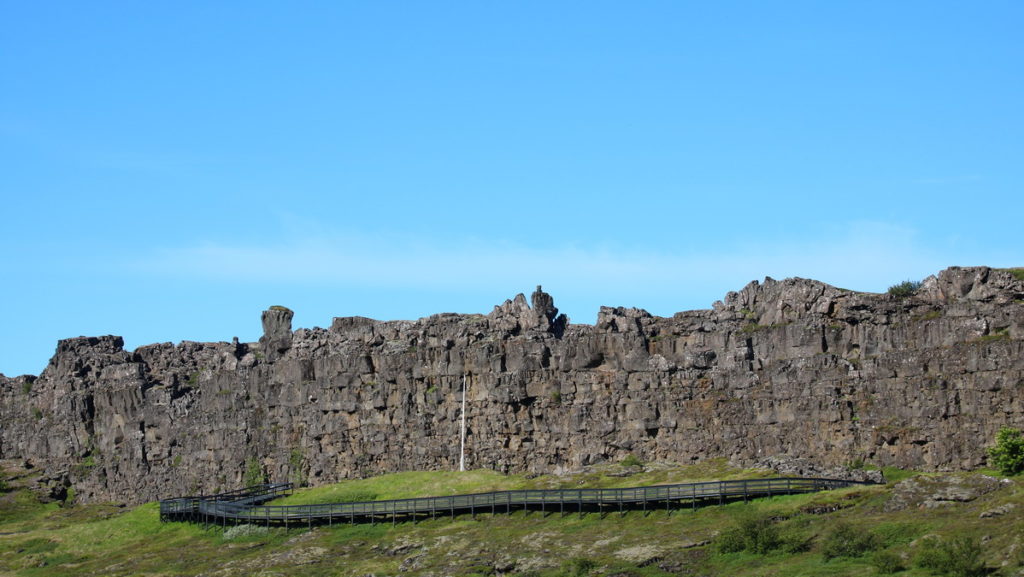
(999, 335)
(37, 413)
(254, 474)
(1007, 454)
(928, 316)
(887, 562)
(956, 557)
(907, 288)
(244, 531)
(753, 533)
(556, 396)
(83, 467)
(631, 460)
(1018, 273)
(753, 328)
(845, 540)
(296, 464)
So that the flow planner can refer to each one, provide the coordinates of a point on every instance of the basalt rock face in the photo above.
(788, 369)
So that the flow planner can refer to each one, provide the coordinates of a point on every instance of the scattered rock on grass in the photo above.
(939, 491)
(998, 511)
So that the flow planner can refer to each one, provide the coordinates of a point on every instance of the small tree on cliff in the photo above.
(254, 474)
(1008, 453)
(907, 288)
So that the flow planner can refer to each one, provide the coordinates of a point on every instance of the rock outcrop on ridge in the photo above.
(784, 369)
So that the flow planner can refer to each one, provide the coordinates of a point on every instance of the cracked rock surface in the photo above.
(790, 369)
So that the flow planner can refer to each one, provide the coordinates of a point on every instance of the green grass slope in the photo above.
(856, 531)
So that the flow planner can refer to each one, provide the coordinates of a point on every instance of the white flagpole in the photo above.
(462, 441)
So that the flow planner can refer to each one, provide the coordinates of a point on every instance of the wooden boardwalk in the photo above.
(247, 505)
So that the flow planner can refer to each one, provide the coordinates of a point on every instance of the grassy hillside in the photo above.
(862, 531)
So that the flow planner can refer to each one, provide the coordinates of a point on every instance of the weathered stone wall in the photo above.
(782, 368)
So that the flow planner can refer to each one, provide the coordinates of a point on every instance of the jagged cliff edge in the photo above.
(792, 368)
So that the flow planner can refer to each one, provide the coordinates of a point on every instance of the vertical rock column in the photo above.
(277, 332)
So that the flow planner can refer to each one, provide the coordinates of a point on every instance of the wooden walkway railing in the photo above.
(246, 505)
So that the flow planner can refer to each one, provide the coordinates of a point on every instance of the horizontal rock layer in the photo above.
(793, 368)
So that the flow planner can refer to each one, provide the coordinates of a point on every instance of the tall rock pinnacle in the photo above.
(277, 331)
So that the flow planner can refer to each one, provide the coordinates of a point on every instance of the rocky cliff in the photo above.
(792, 368)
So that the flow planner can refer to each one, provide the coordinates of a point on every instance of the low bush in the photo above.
(754, 534)
(254, 474)
(887, 562)
(1008, 453)
(905, 289)
(845, 540)
(955, 557)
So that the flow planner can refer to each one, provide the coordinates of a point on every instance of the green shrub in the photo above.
(856, 464)
(1008, 453)
(887, 562)
(930, 555)
(965, 558)
(754, 534)
(845, 540)
(907, 288)
(956, 557)
(85, 466)
(794, 542)
(731, 540)
(254, 474)
(296, 465)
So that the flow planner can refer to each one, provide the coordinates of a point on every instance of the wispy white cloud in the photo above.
(862, 256)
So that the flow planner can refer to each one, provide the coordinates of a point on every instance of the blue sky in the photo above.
(171, 169)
